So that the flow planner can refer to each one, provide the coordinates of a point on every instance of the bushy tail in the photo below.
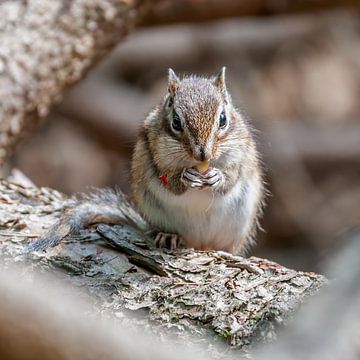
(85, 210)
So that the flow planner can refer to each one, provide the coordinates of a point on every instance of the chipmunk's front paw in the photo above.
(213, 178)
(168, 241)
(192, 178)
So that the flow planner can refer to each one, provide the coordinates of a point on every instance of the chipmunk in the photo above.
(196, 175)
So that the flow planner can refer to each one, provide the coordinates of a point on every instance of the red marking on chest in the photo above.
(163, 179)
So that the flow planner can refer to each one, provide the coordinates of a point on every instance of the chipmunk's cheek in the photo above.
(215, 154)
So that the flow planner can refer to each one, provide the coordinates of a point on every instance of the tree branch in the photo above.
(47, 45)
(167, 12)
(232, 298)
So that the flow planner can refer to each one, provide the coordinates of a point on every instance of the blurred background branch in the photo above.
(175, 11)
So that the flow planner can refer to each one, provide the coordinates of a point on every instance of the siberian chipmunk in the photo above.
(196, 176)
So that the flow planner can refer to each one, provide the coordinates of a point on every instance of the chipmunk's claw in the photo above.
(213, 178)
(168, 241)
(194, 179)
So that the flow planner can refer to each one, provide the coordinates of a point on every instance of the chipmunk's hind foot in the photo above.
(168, 241)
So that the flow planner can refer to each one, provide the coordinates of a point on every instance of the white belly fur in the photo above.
(202, 218)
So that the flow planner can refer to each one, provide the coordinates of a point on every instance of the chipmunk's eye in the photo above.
(176, 122)
(222, 120)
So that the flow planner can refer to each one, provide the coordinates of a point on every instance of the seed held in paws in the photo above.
(202, 167)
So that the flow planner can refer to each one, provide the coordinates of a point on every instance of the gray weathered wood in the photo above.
(207, 293)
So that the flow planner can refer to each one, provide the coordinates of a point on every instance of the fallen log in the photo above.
(199, 295)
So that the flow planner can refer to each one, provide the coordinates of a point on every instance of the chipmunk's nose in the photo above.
(202, 153)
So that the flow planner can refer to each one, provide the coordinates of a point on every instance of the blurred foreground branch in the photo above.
(47, 45)
(326, 327)
(206, 293)
(42, 318)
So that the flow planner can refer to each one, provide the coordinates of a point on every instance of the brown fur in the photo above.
(198, 108)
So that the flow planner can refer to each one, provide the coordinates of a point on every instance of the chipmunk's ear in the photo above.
(220, 83)
(173, 81)
(220, 80)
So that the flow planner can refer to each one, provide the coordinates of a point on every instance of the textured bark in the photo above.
(213, 295)
(46, 45)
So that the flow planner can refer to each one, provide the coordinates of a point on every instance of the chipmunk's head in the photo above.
(197, 117)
